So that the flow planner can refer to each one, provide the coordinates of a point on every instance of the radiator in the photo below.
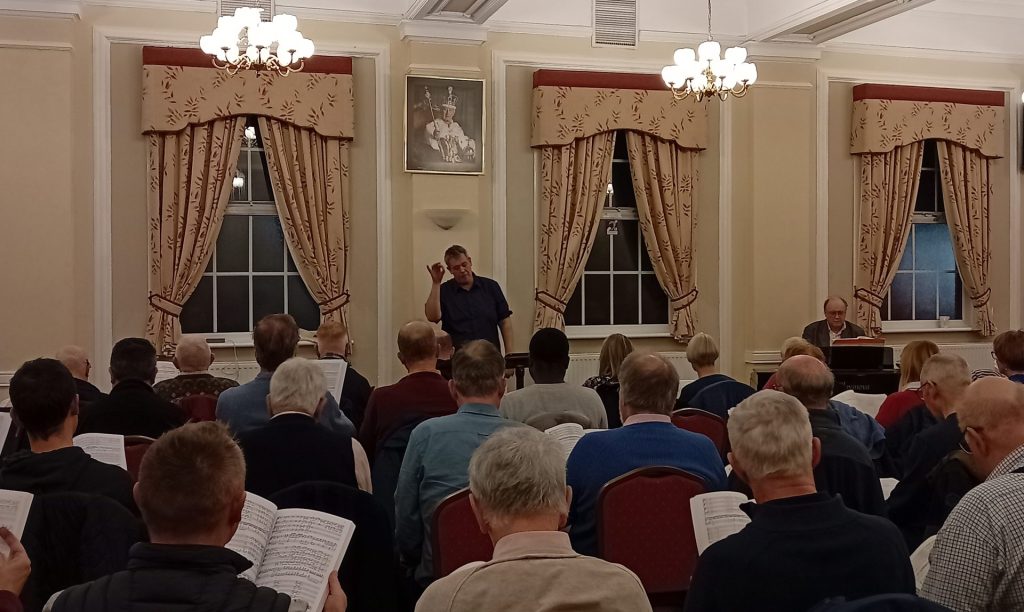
(584, 365)
(977, 355)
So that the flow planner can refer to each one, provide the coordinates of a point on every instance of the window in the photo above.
(619, 286)
(927, 285)
(251, 274)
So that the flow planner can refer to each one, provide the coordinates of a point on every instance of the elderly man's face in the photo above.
(835, 314)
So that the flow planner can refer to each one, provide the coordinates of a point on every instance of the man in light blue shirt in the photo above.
(436, 461)
(243, 408)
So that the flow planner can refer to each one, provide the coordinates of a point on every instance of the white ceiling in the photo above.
(991, 27)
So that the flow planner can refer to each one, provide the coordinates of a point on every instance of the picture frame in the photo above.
(445, 125)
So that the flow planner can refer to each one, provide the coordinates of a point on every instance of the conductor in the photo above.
(470, 307)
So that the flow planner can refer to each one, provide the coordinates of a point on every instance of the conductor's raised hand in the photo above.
(436, 272)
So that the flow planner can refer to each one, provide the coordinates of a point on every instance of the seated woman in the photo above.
(615, 348)
(912, 357)
(712, 392)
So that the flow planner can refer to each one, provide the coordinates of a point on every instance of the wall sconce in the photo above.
(445, 218)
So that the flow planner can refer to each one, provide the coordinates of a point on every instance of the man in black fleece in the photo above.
(45, 404)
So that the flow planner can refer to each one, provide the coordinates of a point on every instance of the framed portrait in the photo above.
(444, 125)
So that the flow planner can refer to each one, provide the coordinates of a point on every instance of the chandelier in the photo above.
(706, 73)
(244, 41)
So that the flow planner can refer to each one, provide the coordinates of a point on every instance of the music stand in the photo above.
(519, 362)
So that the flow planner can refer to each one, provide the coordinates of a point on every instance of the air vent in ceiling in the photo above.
(615, 23)
(227, 7)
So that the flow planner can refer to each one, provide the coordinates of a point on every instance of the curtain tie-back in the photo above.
(869, 296)
(335, 303)
(681, 302)
(551, 301)
(165, 305)
(980, 301)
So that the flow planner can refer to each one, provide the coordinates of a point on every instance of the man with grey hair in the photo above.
(76, 360)
(648, 384)
(801, 546)
(518, 494)
(293, 447)
(436, 462)
(193, 358)
(846, 467)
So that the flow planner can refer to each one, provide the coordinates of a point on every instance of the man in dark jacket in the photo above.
(77, 362)
(332, 342)
(191, 492)
(834, 326)
(46, 407)
(132, 408)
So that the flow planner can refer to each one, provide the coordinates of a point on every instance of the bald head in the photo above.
(417, 343)
(648, 383)
(991, 402)
(75, 360)
(806, 379)
(192, 354)
(445, 346)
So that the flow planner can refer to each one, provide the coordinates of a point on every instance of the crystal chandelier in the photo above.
(706, 73)
(244, 41)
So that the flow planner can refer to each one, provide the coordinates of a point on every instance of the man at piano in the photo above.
(834, 326)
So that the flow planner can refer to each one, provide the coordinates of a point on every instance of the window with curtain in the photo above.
(251, 273)
(618, 287)
(927, 285)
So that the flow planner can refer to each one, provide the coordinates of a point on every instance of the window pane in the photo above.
(574, 309)
(597, 300)
(233, 244)
(620, 146)
(654, 302)
(934, 249)
(260, 187)
(931, 155)
(291, 262)
(645, 257)
(599, 260)
(925, 292)
(885, 308)
(950, 296)
(626, 247)
(267, 244)
(627, 300)
(926, 192)
(907, 262)
(301, 304)
(901, 297)
(197, 314)
(232, 304)
(267, 296)
(623, 184)
(241, 194)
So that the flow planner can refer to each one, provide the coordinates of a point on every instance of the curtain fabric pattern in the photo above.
(967, 192)
(880, 126)
(888, 190)
(190, 174)
(574, 178)
(310, 177)
(665, 178)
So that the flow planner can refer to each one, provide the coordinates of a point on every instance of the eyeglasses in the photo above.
(964, 445)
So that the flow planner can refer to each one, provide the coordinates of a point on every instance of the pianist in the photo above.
(834, 326)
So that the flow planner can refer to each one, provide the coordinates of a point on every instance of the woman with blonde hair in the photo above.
(712, 391)
(912, 359)
(613, 351)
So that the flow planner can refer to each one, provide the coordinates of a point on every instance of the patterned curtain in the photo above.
(574, 179)
(309, 174)
(665, 178)
(967, 192)
(190, 175)
(888, 190)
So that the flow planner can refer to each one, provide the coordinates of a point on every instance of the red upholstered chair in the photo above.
(135, 448)
(702, 422)
(457, 539)
(199, 407)
(644, 523)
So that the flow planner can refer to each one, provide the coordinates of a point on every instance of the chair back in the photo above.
(135, 448)
(200, 407)
(457, 539)
(710, 425)
(644, 523)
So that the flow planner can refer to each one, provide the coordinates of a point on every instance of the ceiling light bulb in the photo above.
(709, 50)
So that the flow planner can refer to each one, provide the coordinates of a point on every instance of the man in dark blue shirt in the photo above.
(470, 307)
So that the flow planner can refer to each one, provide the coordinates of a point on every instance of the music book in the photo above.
(108, 448)
(568, 434)
(14, 507)
(334, 373)
(717, 516)
(293, 551)
(888, 484)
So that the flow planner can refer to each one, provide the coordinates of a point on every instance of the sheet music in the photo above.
(888, 484)
(334, 373)
(717, 516)
(305, 547)
(14, 507)
(567, 434)
(108, 448)
(5, 428)
(919, 561)
(253, 534)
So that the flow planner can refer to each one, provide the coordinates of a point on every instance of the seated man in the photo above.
(648, 384)
(420, 395)
(193, 358)
(801, 545)
(1008, 351)
(436, 462)
(978, 559)
(191, 492)
(293, 448)
(549, 361)
(132, 408)
(518, 494)
(332, 342)
(242, 408)
(77, 362)
(834, 326)
(846, 468)
(46, 407)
